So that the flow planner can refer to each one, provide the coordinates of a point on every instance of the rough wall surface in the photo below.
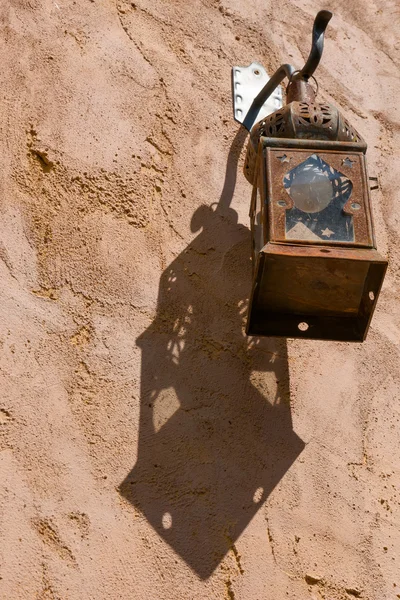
(148, 449)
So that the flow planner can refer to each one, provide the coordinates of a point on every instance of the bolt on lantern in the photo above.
(316, 272)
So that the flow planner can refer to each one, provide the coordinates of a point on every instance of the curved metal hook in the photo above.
(320, 24)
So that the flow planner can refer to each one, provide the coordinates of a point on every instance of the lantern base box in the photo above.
(312, 292)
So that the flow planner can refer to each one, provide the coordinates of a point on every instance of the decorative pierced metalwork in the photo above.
(250, 162)
(274, 125)
(320, 115)
(349, 133)
(300, 120)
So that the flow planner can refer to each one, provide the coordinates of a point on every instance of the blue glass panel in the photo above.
(319, 193)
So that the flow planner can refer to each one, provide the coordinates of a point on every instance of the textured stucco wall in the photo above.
(148, 449)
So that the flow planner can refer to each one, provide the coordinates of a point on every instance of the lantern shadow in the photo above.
(213, 441)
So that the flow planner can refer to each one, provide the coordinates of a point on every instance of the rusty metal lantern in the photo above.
(316, 271)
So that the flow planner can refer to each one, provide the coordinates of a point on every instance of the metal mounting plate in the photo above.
(247, 82)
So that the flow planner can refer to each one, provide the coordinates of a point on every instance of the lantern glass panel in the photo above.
(319, 193)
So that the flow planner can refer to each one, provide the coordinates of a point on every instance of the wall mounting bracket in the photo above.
(247, 83)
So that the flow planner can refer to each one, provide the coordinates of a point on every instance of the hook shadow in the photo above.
(212, 443)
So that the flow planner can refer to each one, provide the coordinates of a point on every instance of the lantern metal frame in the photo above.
(309, 286)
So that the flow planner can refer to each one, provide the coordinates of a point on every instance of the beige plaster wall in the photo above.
(148, 449)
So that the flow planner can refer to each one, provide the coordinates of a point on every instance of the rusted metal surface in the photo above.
(312, 288)
(357, 207)
(316, 271)
(315, 293)
(268, 142)
(299, 121)
(299, 90)
(353, 254)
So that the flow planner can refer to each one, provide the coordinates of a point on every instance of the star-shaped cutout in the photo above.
(283, 158)
(327, 232)
(348, 162)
